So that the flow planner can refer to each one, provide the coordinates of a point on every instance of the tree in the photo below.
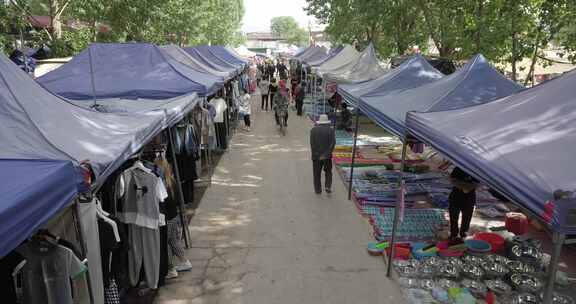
(393, 26)
(286, 27)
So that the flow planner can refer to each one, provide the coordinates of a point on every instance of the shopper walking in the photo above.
(245, 109)
(322, 142)
(299, 97)
(462, 199)
(264, 92)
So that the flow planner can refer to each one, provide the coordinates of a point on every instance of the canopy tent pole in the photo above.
(92, 82)
(357, 118)
(558, 241)
(178, 186)
(397, 210)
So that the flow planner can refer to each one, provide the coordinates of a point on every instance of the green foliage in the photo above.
(502, 30)
(287, 28)
(183, 22)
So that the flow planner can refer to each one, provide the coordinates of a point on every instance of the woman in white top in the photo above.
(246, 109)
(265, 92)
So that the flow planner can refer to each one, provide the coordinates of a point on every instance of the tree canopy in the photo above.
(287, 28)
(502, 30)
(183, 22)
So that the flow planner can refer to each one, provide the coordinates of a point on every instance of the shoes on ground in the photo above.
(172, 273)
(328, 190)
(186, 266)
(318, 192)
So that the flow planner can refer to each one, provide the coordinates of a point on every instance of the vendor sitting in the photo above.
(462, 199)
(345, 119)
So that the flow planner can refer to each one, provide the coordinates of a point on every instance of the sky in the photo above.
(259, 12)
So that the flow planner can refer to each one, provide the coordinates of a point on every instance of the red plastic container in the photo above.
(516, 223)
(495, 240)
(401, 252)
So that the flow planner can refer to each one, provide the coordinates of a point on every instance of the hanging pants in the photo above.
(317, 166)
(144, 250)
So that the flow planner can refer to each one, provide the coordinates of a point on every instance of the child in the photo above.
(245, 108)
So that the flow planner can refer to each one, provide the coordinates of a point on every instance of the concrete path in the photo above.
(262, 236)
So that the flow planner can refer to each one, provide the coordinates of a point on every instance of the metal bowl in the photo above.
(427, 271)
(520, 267)
(407, 271)
(494, 258)
(560, 299)
(526, 282)
(526, 253)
(433, 261)
(409, 282)
(427, 284)
(498, 287)
(525, 298)
(447, 283)
(448, 271)
(472, 259)
(454, 261)
(472, 271)
(405, 263)
(475, 287)
(495, 270)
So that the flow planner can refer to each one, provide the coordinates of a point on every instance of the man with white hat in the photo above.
(322, 142)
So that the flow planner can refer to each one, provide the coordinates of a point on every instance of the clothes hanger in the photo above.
(104, 216)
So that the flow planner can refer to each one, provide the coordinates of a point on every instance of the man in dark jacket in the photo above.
(322, 142)
(462, 199)
(299, 91)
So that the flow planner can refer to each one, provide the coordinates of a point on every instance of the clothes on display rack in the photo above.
(47, 273)
(144, 191)
(89, 226)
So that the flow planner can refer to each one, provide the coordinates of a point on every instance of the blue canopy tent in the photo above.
(314, 54)
(205, 50)
(129, 70)
(36, 124)
(184, 58)
(209, 60)
(304, 53)
(32, 192)
(522, 145)
(226, 55)
(414, 72)
(476, 83)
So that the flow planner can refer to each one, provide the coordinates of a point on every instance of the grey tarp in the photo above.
(413, 72)
(476, 83)
(522, 145)
(344, 59)
(315, 53)
(38, 125)
(307, 52)
(364, 69)
(333, 52)
(184, 58)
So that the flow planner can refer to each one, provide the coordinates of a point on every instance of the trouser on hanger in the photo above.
(264, 102)
(317, 166)
(144, 250)
(454, 210)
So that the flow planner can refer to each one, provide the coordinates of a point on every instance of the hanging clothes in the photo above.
(47, 273)
(141, 210)
(89, 224)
